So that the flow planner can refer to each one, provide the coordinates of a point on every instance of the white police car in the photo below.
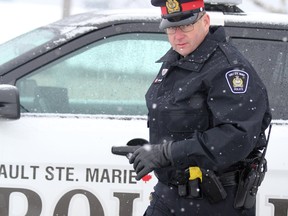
(79, 86)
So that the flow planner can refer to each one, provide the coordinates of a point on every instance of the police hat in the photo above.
(178, 12)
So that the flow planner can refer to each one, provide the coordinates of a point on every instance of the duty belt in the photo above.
(195, 182)
(230, 178)
(192, 173)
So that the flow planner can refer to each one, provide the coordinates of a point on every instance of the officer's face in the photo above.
(186, 42)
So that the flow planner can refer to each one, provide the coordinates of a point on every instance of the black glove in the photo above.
(150, 157)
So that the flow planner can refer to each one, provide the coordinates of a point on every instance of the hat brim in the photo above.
(165, 23)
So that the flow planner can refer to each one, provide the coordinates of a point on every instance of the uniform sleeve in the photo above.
(238, 105)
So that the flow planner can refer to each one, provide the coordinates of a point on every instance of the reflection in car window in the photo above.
(24, 43)
(270, 59)
(110, 76)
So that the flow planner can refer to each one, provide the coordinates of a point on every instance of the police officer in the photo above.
(208, 110)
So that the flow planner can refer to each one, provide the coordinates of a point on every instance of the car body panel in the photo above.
(59, 163)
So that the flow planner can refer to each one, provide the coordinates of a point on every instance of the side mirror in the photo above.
(9, 102)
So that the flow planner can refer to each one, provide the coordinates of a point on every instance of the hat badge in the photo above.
(172, 6)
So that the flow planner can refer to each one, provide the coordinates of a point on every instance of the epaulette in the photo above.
(231, 53)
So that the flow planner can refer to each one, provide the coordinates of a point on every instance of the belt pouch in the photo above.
(182, 190)
(194, 189)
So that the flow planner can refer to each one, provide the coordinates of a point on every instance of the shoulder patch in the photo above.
(238, 81)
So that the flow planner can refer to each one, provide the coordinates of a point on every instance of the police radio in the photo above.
(251, 178)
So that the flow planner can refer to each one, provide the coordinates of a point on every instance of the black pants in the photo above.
(165, 201)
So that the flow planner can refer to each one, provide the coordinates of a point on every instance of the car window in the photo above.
(270, 59)
(110, 76)
(24, 43)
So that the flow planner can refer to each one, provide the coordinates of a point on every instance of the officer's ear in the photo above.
(206, 21)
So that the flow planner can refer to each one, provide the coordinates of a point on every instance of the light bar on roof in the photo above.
(223, 2)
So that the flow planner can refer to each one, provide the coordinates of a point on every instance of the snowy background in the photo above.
(20, 16)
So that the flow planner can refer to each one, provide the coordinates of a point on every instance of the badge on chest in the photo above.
(160, 77)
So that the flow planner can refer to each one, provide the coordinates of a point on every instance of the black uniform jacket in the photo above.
(211, 104)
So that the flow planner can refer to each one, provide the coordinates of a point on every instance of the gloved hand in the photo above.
(150, 157)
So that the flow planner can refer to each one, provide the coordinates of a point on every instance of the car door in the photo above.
(267, 50)
(76, 103)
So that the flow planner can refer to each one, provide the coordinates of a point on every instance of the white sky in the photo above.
(20, 16)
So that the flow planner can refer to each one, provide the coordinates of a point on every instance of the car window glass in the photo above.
(24, 43)
(110, 76)
(270, 59)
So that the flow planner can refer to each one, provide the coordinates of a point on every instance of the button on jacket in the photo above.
(211, 105)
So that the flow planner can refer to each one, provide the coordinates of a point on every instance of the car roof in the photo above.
(96, 18)
(92, 18)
